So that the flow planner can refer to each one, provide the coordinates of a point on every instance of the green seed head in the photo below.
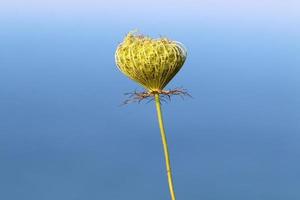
(150, 62)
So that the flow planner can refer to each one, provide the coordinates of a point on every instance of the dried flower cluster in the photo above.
(150, 62)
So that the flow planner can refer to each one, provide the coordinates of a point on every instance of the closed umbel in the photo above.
(150, 62)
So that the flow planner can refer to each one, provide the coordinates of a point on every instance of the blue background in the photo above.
(63, 135)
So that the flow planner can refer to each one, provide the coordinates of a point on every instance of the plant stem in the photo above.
(165, 145)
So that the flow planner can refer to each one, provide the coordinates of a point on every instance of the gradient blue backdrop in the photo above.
(64, 137)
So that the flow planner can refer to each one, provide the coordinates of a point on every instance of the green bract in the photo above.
(150, 62)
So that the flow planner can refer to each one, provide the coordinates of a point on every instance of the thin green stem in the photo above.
(165, 145)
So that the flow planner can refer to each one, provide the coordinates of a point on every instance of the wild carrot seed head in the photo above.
(150, 62)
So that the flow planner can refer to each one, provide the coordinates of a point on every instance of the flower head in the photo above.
(150, 62)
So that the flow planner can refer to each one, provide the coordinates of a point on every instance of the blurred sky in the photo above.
(64, 136)
(273, 12)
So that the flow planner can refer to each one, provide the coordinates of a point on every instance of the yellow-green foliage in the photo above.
(150, 62)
